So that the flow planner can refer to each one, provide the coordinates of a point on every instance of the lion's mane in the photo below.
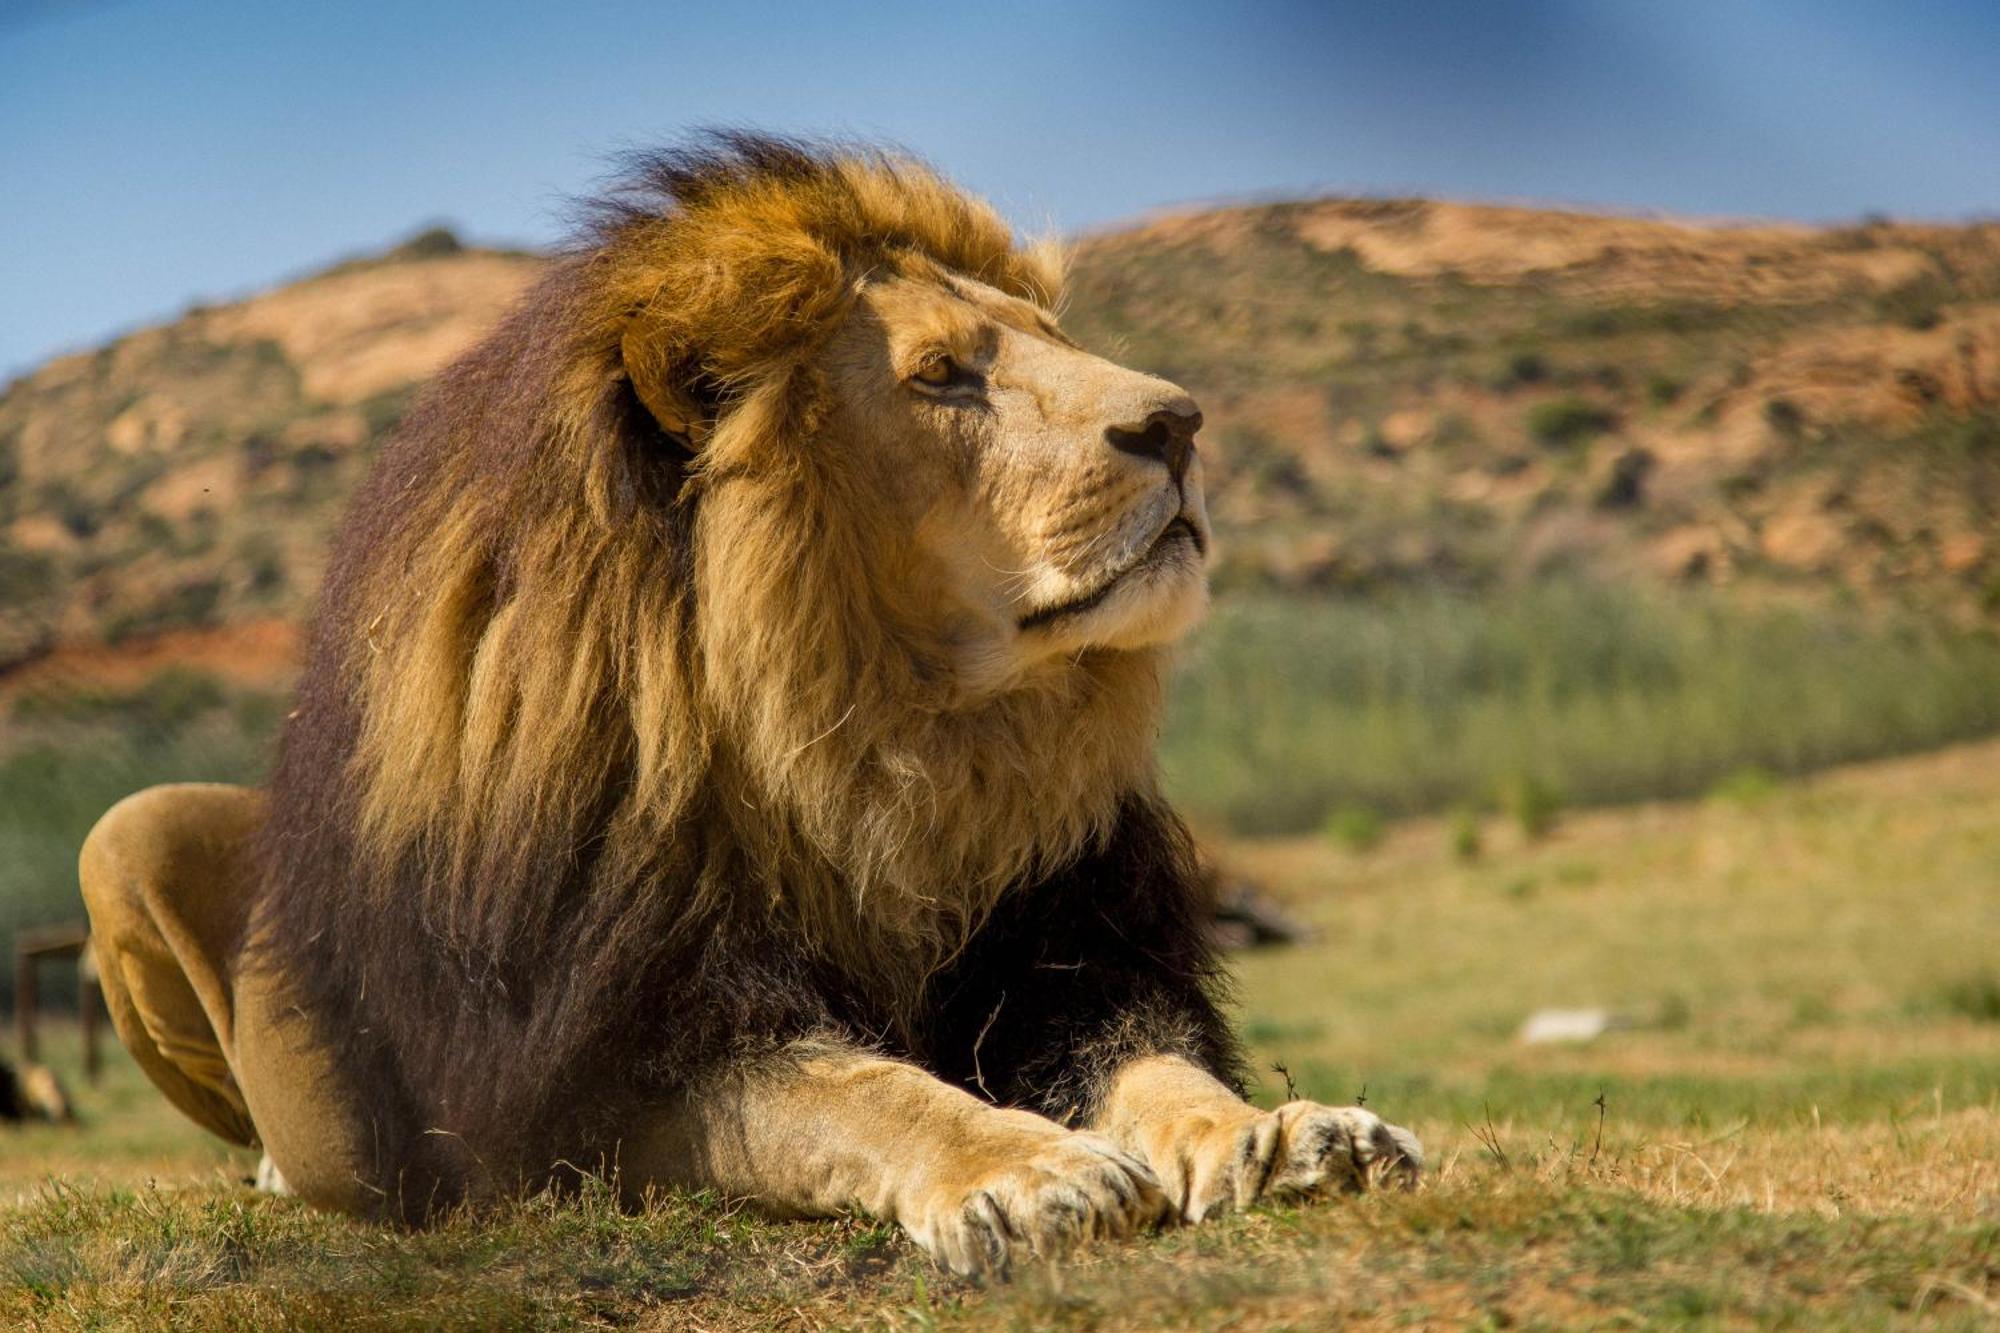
(618, 741)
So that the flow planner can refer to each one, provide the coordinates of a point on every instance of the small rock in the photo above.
(1550, 1026)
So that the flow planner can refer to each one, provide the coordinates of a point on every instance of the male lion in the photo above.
(726, 756)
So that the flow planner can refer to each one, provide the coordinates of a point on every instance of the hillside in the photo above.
(1399, 392)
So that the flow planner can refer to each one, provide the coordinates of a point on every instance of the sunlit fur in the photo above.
(792, 672)
(619, 645)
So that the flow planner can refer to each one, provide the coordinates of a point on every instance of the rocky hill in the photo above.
(1398, 391)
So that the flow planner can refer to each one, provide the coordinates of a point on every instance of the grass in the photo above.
(1800, 1127)
(1288, 711)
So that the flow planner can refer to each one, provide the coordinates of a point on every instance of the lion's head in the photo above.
(1051, 500)
(854, 321)
(783, 544)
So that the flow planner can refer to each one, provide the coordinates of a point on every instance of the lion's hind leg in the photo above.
(170, 887)
(164, 884)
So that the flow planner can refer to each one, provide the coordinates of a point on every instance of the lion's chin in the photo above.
(1163, 620)
(1152, 604)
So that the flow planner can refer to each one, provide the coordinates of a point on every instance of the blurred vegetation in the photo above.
(1355, 827)
(67, 758)
(1289, 712)
(1562, 422)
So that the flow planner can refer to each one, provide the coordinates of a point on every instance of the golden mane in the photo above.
(628, 607)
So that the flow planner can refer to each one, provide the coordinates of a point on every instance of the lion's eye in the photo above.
(936, 371)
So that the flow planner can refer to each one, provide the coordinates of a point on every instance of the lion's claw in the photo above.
(1077, 1187)
(1300, 1149)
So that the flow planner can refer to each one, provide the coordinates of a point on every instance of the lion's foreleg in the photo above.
(824, 1130)
(1213, 1151)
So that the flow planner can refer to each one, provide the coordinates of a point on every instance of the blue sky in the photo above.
(154, 152)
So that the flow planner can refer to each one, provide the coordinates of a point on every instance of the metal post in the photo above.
(87, 1009)
(24, 1003)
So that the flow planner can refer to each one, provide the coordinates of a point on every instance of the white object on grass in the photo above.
(1548, 1026)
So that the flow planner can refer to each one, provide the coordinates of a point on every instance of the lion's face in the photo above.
(1052, 500)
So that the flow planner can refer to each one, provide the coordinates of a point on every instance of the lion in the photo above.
(725, 760)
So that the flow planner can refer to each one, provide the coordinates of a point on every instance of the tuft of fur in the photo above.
(621, 745)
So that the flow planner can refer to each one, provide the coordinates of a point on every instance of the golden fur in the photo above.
(800, 683)
(726, 750)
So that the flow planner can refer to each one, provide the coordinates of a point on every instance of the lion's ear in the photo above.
(672, 390)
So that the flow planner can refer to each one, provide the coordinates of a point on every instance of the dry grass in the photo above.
(1801, 1129)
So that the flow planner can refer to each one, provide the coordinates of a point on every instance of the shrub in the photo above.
(1454, 432)
(1751, 784)
(1975, 997)
(175, 697)
(1467, 843)
(170, 700)
(1625, 488)
(430, 243)
(1662, 390)
(1569, 421)
(1522, 368)
(25, 576)
(1978, 434)
(81, 515)
(1355, 827)
(1534, 804)
(188, 604)
(1785, 417)
(384, 410)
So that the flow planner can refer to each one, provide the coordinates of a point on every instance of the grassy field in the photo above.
(1291, 710)
(1800, 1123)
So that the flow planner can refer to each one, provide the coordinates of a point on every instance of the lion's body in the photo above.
(668, 716)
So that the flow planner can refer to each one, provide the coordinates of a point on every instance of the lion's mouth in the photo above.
(1179, 529)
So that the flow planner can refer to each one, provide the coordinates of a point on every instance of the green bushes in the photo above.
(1532, 803)
(1562, 423)
(190, 603)
(1785, 417)
(1522, 368)
(1286, 711)
(431, 243)
(25, 576)
(1976, 997)
(159, 709)
(1355, 827)
(1663, 390)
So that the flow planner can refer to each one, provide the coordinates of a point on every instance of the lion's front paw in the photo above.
(1301, 1148)
(1073, 1187)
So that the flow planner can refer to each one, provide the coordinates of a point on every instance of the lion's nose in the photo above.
(1167, 435)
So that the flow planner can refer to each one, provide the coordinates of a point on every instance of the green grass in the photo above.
(1288, 711)
(1566, 422)
(1800, 1125)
